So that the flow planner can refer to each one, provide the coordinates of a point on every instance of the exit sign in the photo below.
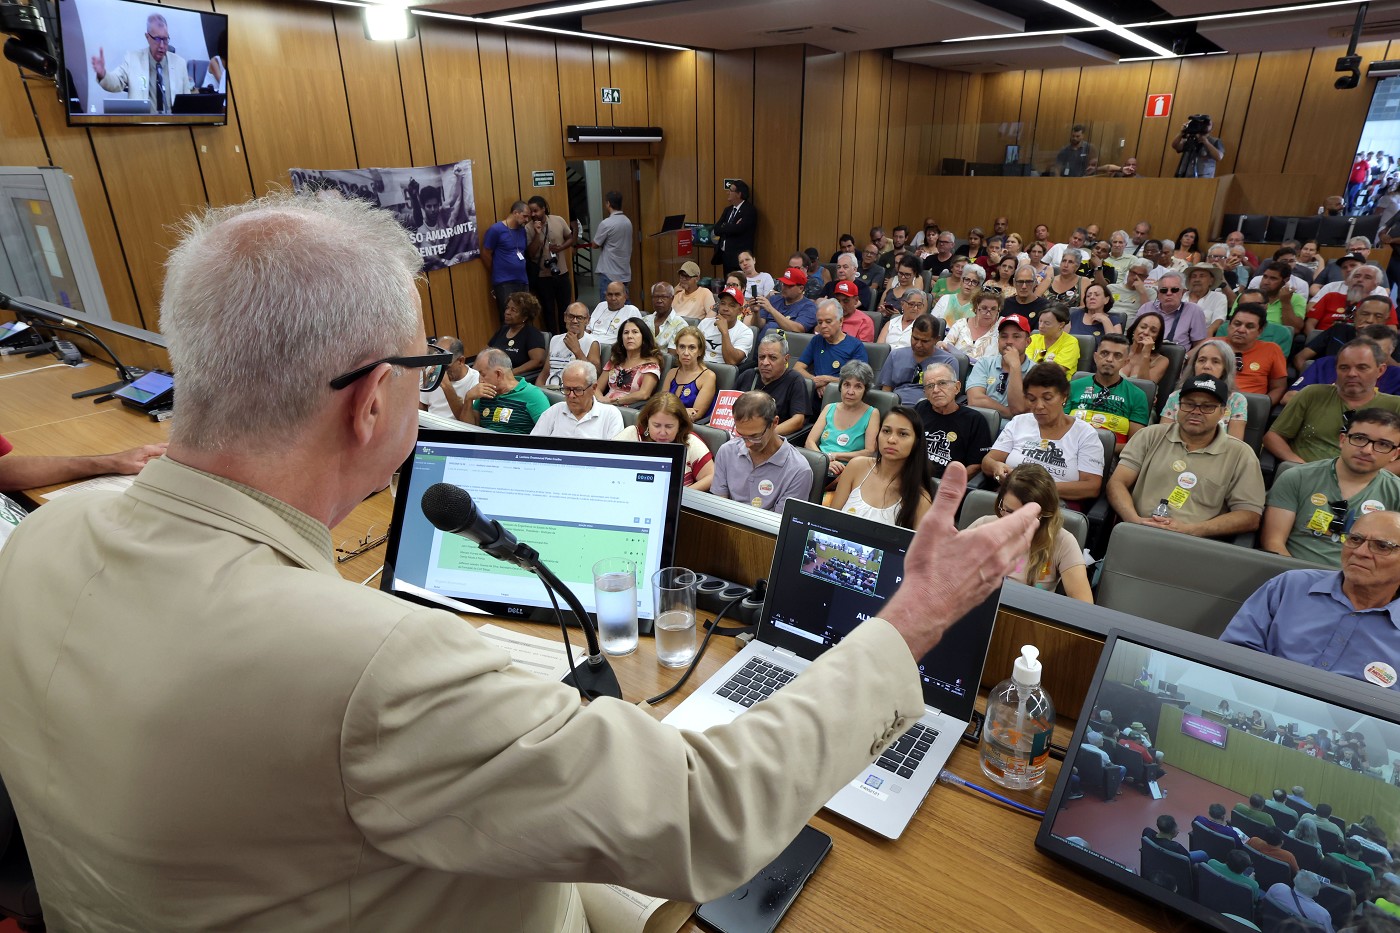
(1158, 105)
(611, 95)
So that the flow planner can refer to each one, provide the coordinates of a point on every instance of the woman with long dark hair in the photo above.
(1145, 357)
(892, 486)
(633, 371)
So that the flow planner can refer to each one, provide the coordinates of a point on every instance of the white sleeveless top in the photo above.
(856, 505)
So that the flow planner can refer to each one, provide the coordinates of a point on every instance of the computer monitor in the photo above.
(574, 501)
(1207, 759)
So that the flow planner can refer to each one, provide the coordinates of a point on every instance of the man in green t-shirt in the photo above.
(501, 402)
(1311, 506)
(1311, 423)
(1107, 400)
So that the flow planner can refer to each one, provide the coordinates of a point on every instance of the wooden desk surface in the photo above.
(964, 863)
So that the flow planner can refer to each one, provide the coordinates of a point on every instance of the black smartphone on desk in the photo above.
(760, 903)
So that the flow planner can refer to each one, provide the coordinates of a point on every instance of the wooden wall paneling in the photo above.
(602, 77)
(671, 182)
(373, 92)
(153, 180)
(438, 316)
(1333, 120)
(578, 99)
(1157, 133)
(943, 117)
(534, 81)
(1202, 86)
(1273, 107)
(1271, 193)
(879, 139)
(707, 177)
(291, 92)
(850, 102)
(451, 61)
(819, 191)
(896, 132)
(918, 125)
(1111, 100)
(21, 142)
(864, 178)
(1230, 128)
(971, 117)
(1059, 94)
(1029, 118)
(734, 123)
(501, 141)
(777, 162)
(1001, 105)
(628, 70)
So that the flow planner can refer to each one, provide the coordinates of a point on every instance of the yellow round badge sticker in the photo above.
(1317, 498)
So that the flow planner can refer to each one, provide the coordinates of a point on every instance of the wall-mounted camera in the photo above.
(1351, 64)
(30, 44)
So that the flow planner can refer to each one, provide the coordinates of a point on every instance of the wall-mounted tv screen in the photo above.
(1374, 169)
(130, 62)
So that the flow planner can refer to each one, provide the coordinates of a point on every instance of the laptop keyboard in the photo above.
(755, 681)
(904, 756)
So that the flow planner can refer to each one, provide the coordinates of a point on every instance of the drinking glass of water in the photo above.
(615, 597)
(675, 615)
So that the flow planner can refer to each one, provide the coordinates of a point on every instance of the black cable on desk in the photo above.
(713, 627)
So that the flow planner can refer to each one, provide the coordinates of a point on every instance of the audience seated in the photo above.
(908, 277)
(855, 322)
(633, 370)
(897, 331)
(1134, 289)
(1052, 342)
(773, 375)
(664, 420)
(446, 400)
(689, 299)
(1214, 359)
(996, 379)
(664, 322)
(1317, 362)
(758, 466)
(1310, 507)
(1217, 821)
(1310, 425)
(1254, 809)
(580, 414)
(1165, 835)
(903, 372)
(727, 338)
(574, 344)
(500, 401)
(1183, 323)
(871, 273)
(1260, 367)
(788, 309)
(1105, 399)
(1339, 302)
(1347, 622)
(848, 428)
(1204, 288)
(690, 380)
(1238, 868)
(609, 314)
(1026, 302)
(959, 303)
(1068, 448)
(976, 336)
(848, 270)
(952, 432)
(1055, 559)
(893, 485)
(1282, 305)
(1299, 900)
(518, 337)
(1145, 339)
(1093, 319)
(830, 349)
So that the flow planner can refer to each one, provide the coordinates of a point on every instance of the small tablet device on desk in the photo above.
(154, 390)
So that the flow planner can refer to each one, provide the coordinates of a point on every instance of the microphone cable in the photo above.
(564, 634)
(712, 627)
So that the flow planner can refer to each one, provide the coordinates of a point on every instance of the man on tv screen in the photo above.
(154, 73)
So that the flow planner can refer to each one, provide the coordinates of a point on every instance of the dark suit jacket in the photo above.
(735, 228)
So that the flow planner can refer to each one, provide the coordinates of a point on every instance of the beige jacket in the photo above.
(206, 728)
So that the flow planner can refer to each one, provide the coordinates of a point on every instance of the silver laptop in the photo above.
(830, 570)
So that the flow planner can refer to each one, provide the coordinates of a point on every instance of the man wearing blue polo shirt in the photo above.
(995, 381)
(786, 309)
(830, 349)
(1346, 622)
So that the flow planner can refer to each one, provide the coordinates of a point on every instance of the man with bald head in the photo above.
(500, 401)
(1346, 621)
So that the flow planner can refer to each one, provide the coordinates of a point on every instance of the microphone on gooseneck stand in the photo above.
(450, 508)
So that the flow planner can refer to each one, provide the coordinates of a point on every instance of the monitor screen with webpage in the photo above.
(1237, 724)
(574, 501)
(125, 61)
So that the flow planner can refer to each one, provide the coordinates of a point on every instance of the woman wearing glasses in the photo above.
(1145, 357)
(955, 306)
(1055, 558)
(896, 330)
(907, 272)
(893, 486)
(977, 335)
(947, 284)
(1068, 448)
(690, 380)
(846, 429)
(1216, 359)
(664, 420)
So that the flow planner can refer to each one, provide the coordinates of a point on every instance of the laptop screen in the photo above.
(574, 501)
(1223, 735)
(833, 570)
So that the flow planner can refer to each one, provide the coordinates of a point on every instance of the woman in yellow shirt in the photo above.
(1054, 343)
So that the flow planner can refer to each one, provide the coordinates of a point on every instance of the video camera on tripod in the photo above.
(1197, 124)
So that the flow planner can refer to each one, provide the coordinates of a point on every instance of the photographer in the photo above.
(1199, 150)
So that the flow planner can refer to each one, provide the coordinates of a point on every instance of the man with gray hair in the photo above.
(790, 392)
(848, 270)
(1335, 271)
(663, 322)
(448, 399)
(1300, 899)
(500, 401)
(1134, 289)
(1185, 321)
(199, 708)
(829, 349)
(758, 466)
(580, 414)
(153, 74)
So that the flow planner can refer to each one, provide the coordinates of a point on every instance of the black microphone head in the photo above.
(448, 507)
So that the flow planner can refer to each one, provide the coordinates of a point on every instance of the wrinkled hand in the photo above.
(131, 461)
(947, 572)
(836, 466)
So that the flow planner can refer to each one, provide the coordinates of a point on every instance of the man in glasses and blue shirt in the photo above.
(1346, 621)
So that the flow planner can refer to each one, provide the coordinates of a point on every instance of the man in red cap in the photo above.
(854, 321)
(995, 381)
(727, 338)
(786, 309)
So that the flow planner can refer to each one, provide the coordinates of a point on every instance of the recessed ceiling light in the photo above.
(1117, 30)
